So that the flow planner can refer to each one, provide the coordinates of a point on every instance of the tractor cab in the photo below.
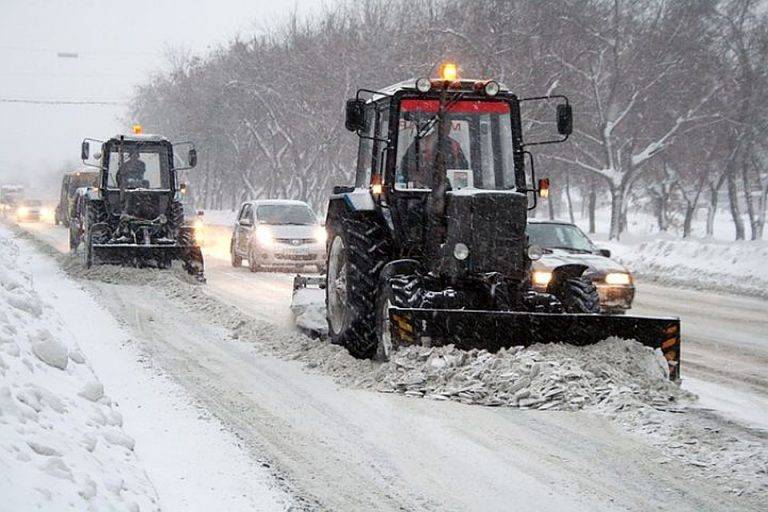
(446, 156)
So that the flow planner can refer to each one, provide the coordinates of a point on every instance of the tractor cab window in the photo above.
(477, 153)
(138, 166)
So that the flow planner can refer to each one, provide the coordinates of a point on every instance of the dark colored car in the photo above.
(564, 243)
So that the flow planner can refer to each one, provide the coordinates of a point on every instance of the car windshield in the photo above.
(138, 165)
(559, 236)
(478, 150)
(31, 202)
(286, 214)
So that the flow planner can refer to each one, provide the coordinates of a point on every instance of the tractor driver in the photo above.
(131, 172)
(418, 176)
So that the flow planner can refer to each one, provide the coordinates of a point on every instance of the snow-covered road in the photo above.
(346, 449)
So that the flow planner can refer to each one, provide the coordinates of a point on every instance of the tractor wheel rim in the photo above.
(337, 285)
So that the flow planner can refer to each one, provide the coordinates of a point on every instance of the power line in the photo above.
(63, 102)
(87, 52)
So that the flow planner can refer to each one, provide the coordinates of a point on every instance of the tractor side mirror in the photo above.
(192, 157)
(604, 252)
(355, 115)
(85, 150)
(564, 119)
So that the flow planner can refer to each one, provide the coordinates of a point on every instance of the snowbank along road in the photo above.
(617, 436)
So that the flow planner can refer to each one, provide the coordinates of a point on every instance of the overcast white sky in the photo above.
(119, 43)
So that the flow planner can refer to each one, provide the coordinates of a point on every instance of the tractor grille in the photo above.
(492, 225)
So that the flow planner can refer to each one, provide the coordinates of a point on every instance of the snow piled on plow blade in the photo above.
(612, 374)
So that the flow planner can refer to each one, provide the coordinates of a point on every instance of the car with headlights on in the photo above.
(278, 234)
(31, 210)
(562, 244)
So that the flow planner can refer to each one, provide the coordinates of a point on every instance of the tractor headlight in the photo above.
(264, 236)
(491, 88)
(535, 252)
(618, 278)
(460, 251)
(321, 235)
(541, 277)
(423, 84)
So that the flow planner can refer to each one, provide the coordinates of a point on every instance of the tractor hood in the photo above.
(560, 257)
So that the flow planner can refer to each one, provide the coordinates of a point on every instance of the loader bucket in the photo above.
(493, 330)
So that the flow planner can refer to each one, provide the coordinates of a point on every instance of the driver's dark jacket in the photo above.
(131, 170)
(454, 159)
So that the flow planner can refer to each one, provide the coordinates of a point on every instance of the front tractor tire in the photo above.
(358, 250)
(579, 295)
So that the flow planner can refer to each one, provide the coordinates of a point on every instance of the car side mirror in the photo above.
(192, 157)
(564, 119)
(246, 222)
(355, 115)
(85, 150)
(604, 252)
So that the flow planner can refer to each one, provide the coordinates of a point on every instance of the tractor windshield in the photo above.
(477, 153)
(139, 166)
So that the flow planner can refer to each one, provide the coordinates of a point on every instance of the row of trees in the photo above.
(670, 98)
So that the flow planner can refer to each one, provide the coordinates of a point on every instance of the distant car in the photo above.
(70, 182)
(278, 233)
(30, 210)
(563, 244)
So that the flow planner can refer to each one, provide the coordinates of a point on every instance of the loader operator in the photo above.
(130, 174)
(417, 172)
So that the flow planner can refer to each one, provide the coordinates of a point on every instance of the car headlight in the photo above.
(264, 236)
(321, 235)
(23, 211)
(618, 278)
(541, 277)
(198, 225)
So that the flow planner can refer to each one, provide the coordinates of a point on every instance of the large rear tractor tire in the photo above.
(358, 250)
(579, 295)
